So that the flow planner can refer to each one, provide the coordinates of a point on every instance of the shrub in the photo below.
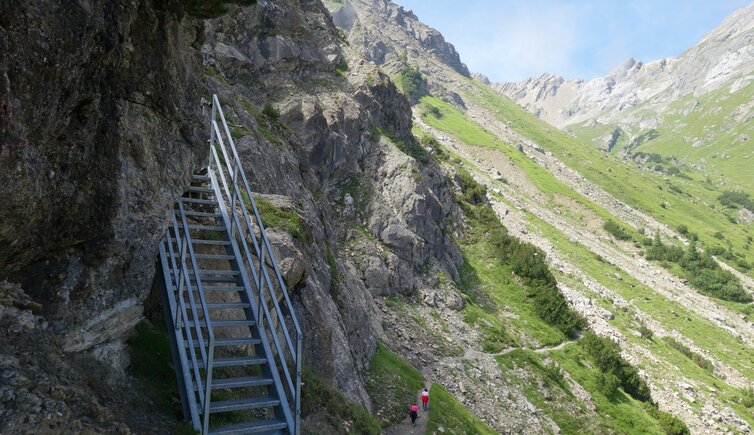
(683, 229)
(688, 353)
(616, 230)
(669, 423)
(608, 384)
(736, 199)
(645, 332)
(269, 111)
(471, 191)
(701, 270)
(606, 354)
(412, 82)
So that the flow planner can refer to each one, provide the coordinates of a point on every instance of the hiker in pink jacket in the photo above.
(413, 412)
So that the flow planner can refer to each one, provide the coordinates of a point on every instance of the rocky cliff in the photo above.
(99, 122)
(101, 125)
(724, 57)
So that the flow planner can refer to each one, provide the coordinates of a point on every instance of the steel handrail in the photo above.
(184, 314)
(263, 278)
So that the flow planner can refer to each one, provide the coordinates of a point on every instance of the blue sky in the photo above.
(511, 40)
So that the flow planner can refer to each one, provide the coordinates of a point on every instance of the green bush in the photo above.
(701, 270)
(616, 230)
(606, 354)
(269, 111)
(411, 81)
(471, 191)
(669, 423)
(608, 384)
(736, 199)
(695, 357)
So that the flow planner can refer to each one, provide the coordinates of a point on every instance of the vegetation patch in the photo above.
(736, 199)
(274, 217)
(392, 385)
(606, 354)
(616, 230)
(152, 363)
(448, 415)
(693, 356)
(701, 270)
(411, 82)
(526, 261)
(317, 396)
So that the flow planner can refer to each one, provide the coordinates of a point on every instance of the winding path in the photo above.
(405, 427)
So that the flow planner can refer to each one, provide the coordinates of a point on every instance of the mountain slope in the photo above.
(556, 192)
(695, 108)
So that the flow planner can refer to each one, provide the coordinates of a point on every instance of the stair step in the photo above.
(249, 381)
(224, 323)
(201, 189)
(199, 201)
(207, 227)
(241, 404)
(228, 341)
(205, 241)
(250, 427)
(211, 279)
(237, 361)
(214, 257)
(199, 178)
(222, 288)
(198, 214)
(227, 305)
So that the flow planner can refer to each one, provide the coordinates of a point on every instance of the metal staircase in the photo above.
(236, 340)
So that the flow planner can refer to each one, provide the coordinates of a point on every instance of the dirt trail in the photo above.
(405, 427)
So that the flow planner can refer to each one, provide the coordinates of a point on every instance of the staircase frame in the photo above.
(271, 306)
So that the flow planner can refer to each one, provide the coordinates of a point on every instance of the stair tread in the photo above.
(199, 214)
(205, 241)
(199, 227)
(199, 201)
(239, 404)
(215, 256)
(248, 381)
(250, 427)
(239, 361)
(225, 323)
(199, 189)
(228, 305)
(228, 342)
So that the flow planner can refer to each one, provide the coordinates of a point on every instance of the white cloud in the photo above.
(508, 44)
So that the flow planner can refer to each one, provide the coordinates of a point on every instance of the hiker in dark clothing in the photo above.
(413, 412)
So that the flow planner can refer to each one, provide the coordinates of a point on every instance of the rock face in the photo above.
(378, 213)
(380, 28)
(724, 55)
(97, 138)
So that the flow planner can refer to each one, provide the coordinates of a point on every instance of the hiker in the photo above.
(413, 412)
(425, 399)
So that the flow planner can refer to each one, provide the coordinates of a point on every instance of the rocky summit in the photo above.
(551, 256)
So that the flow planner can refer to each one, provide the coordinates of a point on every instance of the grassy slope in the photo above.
(671, 314)
(392, 385)
(689, 202)
(712, 123)
(450, 415)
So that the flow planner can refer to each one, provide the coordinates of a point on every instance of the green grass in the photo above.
(317, 396)
(392, 385)
(672, 200)
(448, 413)
(619, 413)
(274, 217)
(671, 314)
